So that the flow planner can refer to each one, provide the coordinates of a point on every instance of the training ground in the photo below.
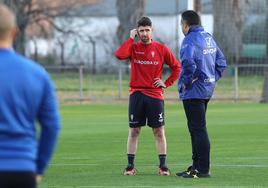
(92, 148)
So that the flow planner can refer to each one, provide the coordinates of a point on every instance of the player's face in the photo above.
(145, 33)
(184, 27)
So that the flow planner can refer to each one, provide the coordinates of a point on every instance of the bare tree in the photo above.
(228, 27)
(265, 84)
(20, 8)
(128, 12)
(30, 12)
(197, 6)
(94, 62)
(61, 43)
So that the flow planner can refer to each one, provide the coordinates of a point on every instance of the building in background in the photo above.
(91, 31)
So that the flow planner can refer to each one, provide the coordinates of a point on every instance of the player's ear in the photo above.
(14, 32)
(185, 25)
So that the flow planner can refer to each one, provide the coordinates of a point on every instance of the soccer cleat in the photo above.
(196, 174)
(184, 172)
(130, 171)
(164, 171)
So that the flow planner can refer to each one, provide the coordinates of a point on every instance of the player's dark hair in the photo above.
(144, 21)
(191, 17)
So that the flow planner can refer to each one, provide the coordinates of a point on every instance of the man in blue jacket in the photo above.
(26, 96)
(202, 66)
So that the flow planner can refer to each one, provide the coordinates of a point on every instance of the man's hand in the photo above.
(38, 178)
(159, 83)
(133, 33)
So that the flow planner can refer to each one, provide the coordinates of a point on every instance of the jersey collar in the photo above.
(195, 28)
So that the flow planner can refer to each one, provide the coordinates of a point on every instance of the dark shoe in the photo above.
(184, 172)
(130, 171)
(164, 171)
(196, 174)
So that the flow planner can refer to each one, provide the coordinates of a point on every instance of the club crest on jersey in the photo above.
(208, 42)
(152, 53)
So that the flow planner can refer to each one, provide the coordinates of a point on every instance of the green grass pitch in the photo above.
(92, 148)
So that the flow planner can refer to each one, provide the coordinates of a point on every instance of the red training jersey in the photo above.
(147, 62)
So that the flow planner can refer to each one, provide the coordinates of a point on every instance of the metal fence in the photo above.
(77, 83)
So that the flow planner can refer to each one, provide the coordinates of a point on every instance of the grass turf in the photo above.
(102, 86)
(92, 148)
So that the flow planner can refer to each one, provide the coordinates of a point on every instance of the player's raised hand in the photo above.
(133, 33)
(159, 83)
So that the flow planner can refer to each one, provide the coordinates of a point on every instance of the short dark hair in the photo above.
(191, 17)
(144, 21)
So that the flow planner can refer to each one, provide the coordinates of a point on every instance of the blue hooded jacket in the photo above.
(202, 65)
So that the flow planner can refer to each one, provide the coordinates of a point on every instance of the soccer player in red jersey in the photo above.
(146, 101)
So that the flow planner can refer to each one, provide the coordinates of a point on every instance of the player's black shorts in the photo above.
(143, 108)
(17, 179)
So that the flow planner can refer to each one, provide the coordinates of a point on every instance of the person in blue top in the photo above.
(26, 96)
(202, 66)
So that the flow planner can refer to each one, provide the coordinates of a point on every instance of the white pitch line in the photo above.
(152, 186)
(213, 165)
(246, 165)
(246, 158)
(223, 158)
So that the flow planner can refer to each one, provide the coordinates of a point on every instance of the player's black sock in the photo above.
(130, 158)
(162, 160)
